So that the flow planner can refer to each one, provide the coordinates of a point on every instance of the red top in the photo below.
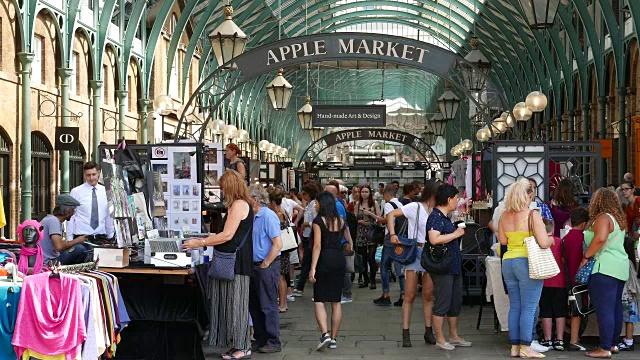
(633, 212)
(351, 207)
(574, 246)
(560, 280)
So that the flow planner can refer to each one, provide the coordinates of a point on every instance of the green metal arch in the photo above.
(152, 40)
(616, 40)
(596, 47)
(130, 32)
(59, 33)
(181, 25)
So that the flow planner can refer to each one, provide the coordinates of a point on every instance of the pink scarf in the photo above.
(25, 252)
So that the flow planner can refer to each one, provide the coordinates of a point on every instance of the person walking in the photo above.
(524, 292)
(263, 288)
(232, 154)
(328, 266)
(604, 238)
(229, 303)
(417, 215)
(447, 288)
(310, 190)
(366, 211)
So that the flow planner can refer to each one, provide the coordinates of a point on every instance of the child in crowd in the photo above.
(630, 297)
(573, 254)
(553, 301)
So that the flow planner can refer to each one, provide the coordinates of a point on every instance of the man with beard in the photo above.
(53, 245)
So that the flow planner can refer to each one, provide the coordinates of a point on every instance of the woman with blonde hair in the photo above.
(604, 237)
(516, 223)
(229, 315)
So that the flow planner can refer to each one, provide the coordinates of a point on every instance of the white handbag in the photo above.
(542, 264)
(289, 238)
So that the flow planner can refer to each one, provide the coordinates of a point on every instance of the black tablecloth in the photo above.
(167, 321)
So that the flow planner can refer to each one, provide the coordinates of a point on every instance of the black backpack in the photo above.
(399, 221)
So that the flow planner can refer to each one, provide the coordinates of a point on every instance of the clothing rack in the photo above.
(79, 267)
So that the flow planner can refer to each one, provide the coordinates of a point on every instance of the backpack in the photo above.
(399, 221)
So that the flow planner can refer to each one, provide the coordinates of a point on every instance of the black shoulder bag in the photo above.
(436, 259)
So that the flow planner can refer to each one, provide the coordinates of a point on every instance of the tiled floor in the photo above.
(370, 332)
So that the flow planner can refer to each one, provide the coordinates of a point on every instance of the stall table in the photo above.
(167, 311)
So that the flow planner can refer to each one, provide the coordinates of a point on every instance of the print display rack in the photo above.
(178, 167)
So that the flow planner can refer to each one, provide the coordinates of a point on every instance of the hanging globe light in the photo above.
(243, 136)
(277, 150)
(482, 136)
(279, 91)
(536, 101)
(508, 119)
(227, 40)
(271, 148)
(467, 144)
(263, 145)
(231, 131)
(521, 112)
(163, 105)
(499, 126)
(284, 152)
(218, 126)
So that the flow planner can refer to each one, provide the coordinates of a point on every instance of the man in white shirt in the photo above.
(92, 217)
(391, 203)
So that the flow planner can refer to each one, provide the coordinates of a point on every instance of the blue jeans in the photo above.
(75, 255)
(606, 294)
(385, 268)
(263, 304)
(524, 296)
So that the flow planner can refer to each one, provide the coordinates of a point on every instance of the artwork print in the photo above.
(181, 165)
(160, 168)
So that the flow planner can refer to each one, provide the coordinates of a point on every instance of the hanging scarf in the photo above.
(25, 252)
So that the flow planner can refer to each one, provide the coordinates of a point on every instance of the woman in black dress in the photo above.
(328, 266)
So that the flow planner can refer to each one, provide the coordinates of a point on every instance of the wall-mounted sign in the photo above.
(67, 138)
(606, 148)
(349, 115)
(413, 173)
(368, 162)
(395, 174)
(371, 173)
(369, 134)
(324, 47)
(353, 174)
(329, 173)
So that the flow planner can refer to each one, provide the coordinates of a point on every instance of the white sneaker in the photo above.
(297, 293)
(291, 298)
(535, 346)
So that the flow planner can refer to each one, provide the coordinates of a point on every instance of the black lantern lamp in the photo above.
(473, 78)
(438, 125)
(279, 91)
(316, 133)
(540, 14)
(227, 40)
(304, 114)
(448, 104)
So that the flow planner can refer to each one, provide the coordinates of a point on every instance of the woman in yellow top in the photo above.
(524, 292)
(604, 237)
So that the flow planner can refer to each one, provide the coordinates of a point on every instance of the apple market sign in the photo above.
(340, 46)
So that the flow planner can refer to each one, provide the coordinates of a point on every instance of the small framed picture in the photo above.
(185, 205)
(164, 187)
(195, 205)
(176, 221)
(176, 205)
(194, 221)
(176, 190)
(195, 190)
(186, 190)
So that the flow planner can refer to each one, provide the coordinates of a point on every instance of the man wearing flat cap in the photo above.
(53, 245)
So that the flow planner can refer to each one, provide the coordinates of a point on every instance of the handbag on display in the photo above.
(542, 264)
(223, 264)
(584, 273)
(405, 251)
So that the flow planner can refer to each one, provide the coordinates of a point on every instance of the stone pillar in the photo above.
(143, 112)
(586, 120)
(96, 85)
(602, 114)
(26, 59)
(572, 125)
(622, 133)
(122, 112)
(65, 77)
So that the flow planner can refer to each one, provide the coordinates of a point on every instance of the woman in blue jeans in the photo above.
(604, 237)
(524, 292)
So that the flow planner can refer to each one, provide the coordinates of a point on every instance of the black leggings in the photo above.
(368, 254)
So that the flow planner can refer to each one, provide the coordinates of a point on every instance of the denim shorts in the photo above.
(415, 266)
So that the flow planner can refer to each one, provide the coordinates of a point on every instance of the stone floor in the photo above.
(370, 332)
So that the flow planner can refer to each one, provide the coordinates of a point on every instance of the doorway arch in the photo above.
(5, 179)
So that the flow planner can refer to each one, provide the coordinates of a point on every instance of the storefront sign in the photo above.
(353, 174)
(413, 173)
(349, 115)
(368, 162)
(606, 148)
(337, 46)
(396, 174)
(371, 173)
(67, 138)
(369, 134)
(329, 173)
